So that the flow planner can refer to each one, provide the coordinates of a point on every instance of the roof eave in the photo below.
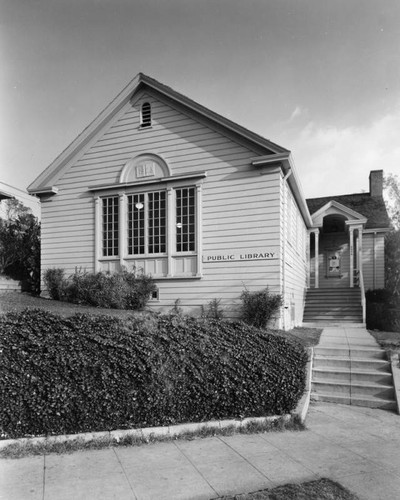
(286, 162)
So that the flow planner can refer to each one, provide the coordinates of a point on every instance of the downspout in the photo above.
(286, 176)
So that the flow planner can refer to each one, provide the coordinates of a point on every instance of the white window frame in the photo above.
(146, 223)
(170, 187)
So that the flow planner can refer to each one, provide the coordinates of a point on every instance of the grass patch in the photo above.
(17, 302)
(25, 448)
(321, 489)
(307, 337)
(390, 341)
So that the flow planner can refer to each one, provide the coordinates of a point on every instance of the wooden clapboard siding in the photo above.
(294, 263)
(379, 260)
(373, 261)
(241, 209)
(368, 261)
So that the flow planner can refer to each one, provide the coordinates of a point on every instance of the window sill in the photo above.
(163, 278)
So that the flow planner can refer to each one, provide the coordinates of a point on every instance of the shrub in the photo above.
(55, 283)
(213, 310)
(93, 373)
(259, 307)
(20, 248)
(123, 290)
(383, 310)
(392, 262)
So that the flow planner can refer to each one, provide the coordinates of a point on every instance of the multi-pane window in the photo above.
(185, 220)
(147, 221)
(156, 217)
(110, 226)
(136, 225)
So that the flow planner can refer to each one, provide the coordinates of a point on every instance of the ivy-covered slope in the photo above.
(92, 373)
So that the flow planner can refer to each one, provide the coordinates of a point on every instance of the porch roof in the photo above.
(372, 207)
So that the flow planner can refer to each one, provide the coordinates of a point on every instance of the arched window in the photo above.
(145, 115)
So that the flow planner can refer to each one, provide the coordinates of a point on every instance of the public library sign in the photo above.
(231, 257)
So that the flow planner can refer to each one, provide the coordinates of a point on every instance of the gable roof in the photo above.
(371, 207)
(43, 184)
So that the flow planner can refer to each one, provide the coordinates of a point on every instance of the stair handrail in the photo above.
(362, 290)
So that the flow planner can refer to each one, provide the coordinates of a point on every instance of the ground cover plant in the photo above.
(320, 489)
(91, 373)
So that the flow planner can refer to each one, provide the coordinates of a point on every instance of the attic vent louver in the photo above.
(146, 115)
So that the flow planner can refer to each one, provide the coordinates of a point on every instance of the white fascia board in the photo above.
(261, 161)
(45, 191)
(295, 184)
(378, 230)
(84, 137)
(341, 208)
(355, 222)
(285, 160)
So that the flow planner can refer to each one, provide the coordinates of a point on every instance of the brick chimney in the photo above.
(376, 182)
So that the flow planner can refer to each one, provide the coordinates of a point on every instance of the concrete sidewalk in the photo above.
(347, 335)
(358, 447)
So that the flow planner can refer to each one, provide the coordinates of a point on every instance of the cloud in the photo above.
(296, 113)
(333, 160)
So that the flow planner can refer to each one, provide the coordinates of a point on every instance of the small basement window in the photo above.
(145, 118)
(155, 294)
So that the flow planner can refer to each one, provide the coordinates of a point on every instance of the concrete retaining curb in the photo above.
(394, 360)
(304, 403)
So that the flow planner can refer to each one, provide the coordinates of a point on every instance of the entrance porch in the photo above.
(335, 275)
(335, 254)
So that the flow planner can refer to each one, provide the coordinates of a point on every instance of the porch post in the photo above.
(351, 236)
(316, 284)
(360, 248)
(308, 256)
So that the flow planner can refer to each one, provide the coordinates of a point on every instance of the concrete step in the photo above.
(332, 316)
(346, 375)
(333, 305)
(327, 291)
(383, 404)
(322, 302)
(333, 308)
(356, 352)
(329, 324)
(9, 286)
(380, 365)
(359, 389)
(339, 297)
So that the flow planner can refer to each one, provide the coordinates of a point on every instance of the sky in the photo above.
(318, 77)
